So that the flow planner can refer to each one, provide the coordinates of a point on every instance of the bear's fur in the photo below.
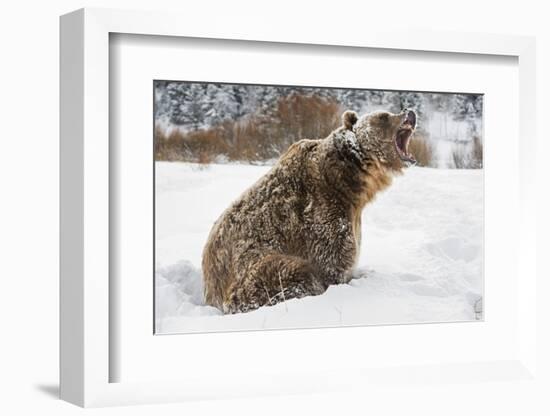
(297, 230)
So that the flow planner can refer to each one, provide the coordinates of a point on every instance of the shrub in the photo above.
(306, 117)
(256, 137)
(477, 153)
(168, 146)
(468, 156)
(422, 150)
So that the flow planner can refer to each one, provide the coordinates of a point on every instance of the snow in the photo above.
(420, 260)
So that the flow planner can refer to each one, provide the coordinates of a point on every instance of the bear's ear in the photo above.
(349, 118)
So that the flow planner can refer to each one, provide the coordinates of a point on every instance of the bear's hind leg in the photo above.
(272, 279)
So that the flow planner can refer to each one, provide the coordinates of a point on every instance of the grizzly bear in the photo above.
(297, 230)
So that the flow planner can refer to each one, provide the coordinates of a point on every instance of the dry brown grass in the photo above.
(256, 137)
(468, 157)
(422, 150)
(299, 117)
(477, 153)
(168, 146)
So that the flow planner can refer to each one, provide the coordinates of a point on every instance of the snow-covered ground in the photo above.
(421, 258)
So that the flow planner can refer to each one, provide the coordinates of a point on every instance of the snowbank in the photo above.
(421, 258)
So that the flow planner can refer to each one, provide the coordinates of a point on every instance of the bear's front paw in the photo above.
(237, 305)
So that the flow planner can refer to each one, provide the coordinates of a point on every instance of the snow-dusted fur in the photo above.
(298, 229)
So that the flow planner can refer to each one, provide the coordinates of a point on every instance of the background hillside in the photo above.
(212, 122)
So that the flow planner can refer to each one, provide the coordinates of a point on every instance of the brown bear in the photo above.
(297, 230)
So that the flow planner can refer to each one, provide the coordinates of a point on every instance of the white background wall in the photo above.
(29, 56)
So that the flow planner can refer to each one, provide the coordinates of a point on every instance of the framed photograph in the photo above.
(257, 226)
(226, 198)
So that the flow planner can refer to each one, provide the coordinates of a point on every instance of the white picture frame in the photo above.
(85, 353)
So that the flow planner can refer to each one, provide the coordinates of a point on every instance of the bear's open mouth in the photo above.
(403, 136)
